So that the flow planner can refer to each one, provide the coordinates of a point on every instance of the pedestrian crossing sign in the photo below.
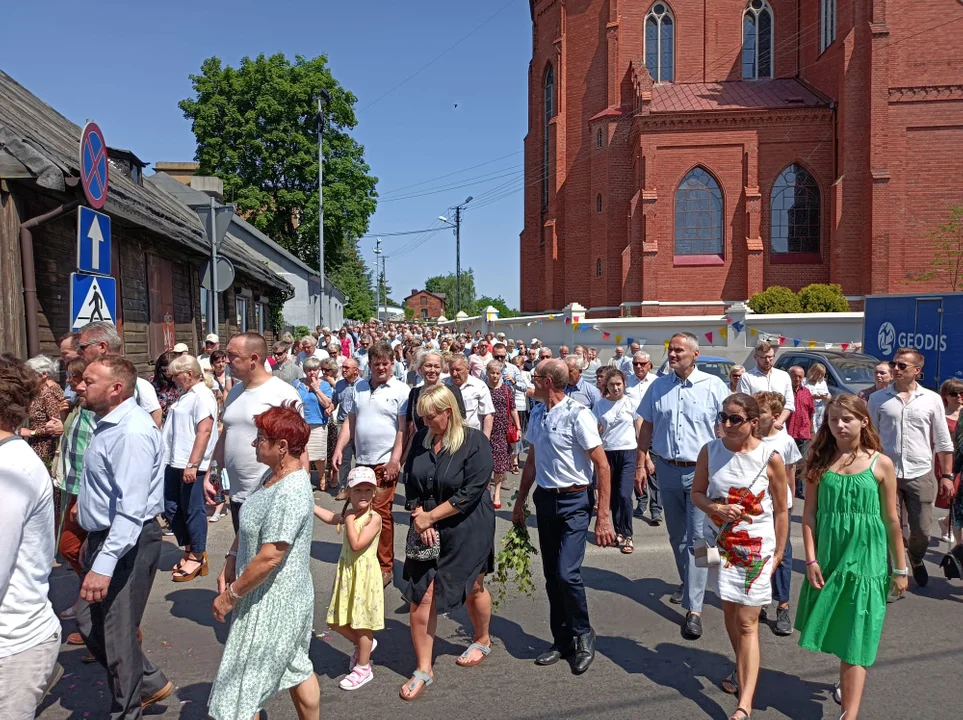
(92, 298)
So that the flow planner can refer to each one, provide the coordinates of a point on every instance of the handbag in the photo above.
(512, 434)
(708, 556)
(952, 562)
(415, 547)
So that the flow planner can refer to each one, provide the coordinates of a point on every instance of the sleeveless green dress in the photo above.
(845, 618)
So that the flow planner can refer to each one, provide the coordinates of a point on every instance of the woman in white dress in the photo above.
(816, 383)
(747, 522)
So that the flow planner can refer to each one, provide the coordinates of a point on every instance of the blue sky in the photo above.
(126, 65)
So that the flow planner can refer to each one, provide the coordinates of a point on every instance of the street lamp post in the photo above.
(457, 226)
(325, 98)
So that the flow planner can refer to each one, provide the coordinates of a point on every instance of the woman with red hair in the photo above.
(266, 581)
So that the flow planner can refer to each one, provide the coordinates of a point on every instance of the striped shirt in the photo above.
(78, 429)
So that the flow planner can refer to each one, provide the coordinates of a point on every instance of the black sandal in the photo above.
(737, 716)
(730, 685)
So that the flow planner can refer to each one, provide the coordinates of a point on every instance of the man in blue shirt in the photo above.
(578, 388)
(121, 493)
(679, 415)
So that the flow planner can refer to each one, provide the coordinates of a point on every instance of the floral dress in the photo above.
(503, 398)
(267, 649)
(45, 407)
(358, 596)
(747, 547)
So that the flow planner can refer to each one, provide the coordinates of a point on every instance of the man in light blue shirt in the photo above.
(578, 388)
(121, 493)
(679, 415)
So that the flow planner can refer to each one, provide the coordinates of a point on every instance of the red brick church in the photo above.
(702, 150)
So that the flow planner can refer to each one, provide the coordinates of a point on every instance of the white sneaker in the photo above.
(945, 534)
(838, 694)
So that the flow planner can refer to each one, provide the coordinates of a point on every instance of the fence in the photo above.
(731, 334)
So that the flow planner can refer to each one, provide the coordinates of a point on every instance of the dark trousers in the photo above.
(622, 464)
(803, 447)
(563, 520)
(109, 627)
(649, 498)
(236, 514)
(184, 508)
(782, 578)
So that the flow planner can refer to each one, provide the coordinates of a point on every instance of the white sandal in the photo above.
(357, 678)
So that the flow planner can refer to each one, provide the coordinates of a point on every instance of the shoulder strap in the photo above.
(872, 464)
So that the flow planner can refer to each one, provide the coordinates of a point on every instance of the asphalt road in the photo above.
(644, 667)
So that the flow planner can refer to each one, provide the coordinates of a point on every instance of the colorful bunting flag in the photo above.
(811, 344)
(829, 346)
(738, 326)
(845, 347)
(568, 320)
(585, 328)
(753, 332)
(666, 344)
(618, 339)
(574, 326)
(709, 336)
(795, 342)
(606, 335)
(782, 340)
(724, 332)
(551, 317)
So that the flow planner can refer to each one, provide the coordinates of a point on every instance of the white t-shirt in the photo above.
(618, 422)
(377, 415)
(180, 428)
(240, 407)
(753, 381)
(562, 438)
(26, 549)
(147, 396)
(636, 388)
(478, 401)
(786, 447)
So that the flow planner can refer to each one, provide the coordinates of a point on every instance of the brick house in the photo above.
(158, 245)
(426, 305)
(676, 153)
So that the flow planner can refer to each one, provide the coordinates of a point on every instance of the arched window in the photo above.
(598, 203)
(794, 224)
(827, 23)
(660, 43)
(598, 268)
(757, 40)
(549, 87)
(698, 215)
(598, 138)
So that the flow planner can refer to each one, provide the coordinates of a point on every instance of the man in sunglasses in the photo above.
(766, 378)
(912, 427)
(679, 415)
(284, 365)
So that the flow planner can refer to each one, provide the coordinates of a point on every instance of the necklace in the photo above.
(278, 476)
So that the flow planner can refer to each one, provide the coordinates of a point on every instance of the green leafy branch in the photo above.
(513, 564)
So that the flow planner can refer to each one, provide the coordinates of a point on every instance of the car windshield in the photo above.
(719, 368)
(855, 370)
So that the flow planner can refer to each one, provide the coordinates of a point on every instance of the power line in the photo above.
(457, 172)
(453, 187)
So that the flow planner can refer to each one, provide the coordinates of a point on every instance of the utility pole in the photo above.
(212, 310)
(325, 98)
(458, 259)
(378, 291)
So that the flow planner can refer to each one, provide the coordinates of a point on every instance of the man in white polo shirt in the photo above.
(766, 378)
(479, 408)
(912, 427)
(375, 424)
(564, 437)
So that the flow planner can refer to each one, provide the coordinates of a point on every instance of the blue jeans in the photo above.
(563, 520)
(684, 522)
(782, 578)
(622, 466)
(184, 509)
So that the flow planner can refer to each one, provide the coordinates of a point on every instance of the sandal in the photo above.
(354, 655)
(731, 684)
(463, 661)
(180, 576)
(737, 716)
(360, 676)
(418, 676)
(180, 563)
(627, 546)
(516, 470)
(619, 539)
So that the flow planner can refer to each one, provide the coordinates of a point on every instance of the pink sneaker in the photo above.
(360, 676)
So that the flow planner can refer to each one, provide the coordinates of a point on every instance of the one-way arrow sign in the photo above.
(93, 241)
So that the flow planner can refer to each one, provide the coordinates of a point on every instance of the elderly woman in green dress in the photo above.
(266, 582)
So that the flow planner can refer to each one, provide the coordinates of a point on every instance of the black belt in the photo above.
(676, 463)
(565, 490)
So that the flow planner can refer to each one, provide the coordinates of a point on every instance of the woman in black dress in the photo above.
(448, 468)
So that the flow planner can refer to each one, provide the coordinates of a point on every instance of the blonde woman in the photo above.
(448, 468)
(816, 383)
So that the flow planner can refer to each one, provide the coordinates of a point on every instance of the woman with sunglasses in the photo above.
(740, 485)
(849, 524)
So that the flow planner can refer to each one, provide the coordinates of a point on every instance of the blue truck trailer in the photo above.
(932, 324)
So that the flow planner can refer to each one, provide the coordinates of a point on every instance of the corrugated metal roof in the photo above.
(48, 144)
(735, 95)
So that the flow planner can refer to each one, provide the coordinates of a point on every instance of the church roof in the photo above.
(734, 95)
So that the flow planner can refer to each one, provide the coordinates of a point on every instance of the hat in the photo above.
(212, 338)
(361, 475)
(180, 348)
(534, 341)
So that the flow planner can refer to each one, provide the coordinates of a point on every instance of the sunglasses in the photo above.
(638, 364)
(901, 365)
(733, 420)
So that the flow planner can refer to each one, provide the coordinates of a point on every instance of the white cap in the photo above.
(180, 348)
(361, 475)
(534, 340)
(212, 338)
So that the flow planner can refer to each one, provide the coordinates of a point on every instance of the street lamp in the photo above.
(457, 226)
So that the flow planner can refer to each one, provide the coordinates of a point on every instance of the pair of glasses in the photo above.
(733, 420)
(639, 364)
(901, 365)
(83, 346)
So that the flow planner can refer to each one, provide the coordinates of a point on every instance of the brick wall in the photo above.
(423, 301)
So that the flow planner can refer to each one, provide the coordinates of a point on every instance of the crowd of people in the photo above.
(100, 469)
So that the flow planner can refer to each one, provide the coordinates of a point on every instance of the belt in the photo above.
(565, 490)
(676, 463)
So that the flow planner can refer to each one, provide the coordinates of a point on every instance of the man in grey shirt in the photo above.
(121, 493)
(286, 368)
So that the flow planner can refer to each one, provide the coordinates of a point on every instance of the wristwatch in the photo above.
(191, 466)
(946, 476)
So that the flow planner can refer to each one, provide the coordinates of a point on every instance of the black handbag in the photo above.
(415, 547)
(952, 561)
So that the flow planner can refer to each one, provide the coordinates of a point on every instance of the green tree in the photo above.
(256, 129)
(354, 280)
(775, 299)
(946, 265)
(496, 302)
(820, 297)
(447, 284)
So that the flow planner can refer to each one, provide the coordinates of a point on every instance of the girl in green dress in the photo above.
(850, 516)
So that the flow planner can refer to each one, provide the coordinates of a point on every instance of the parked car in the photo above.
(846, 372)
(718, 366)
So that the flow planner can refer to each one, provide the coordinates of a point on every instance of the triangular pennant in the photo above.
(724, 332)
(782, 340)
(538, 322)
(574, 326)
(618, 339)
(568, 320)
(811, 344)
(551, 317)
(738, 326)
(845, 347)
(585, 328)
(753, 332)
(829, 346)
(606, 335)
(666, 344)
(709, 336)
(795, 342)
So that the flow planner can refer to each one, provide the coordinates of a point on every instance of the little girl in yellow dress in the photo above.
(357, 600)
